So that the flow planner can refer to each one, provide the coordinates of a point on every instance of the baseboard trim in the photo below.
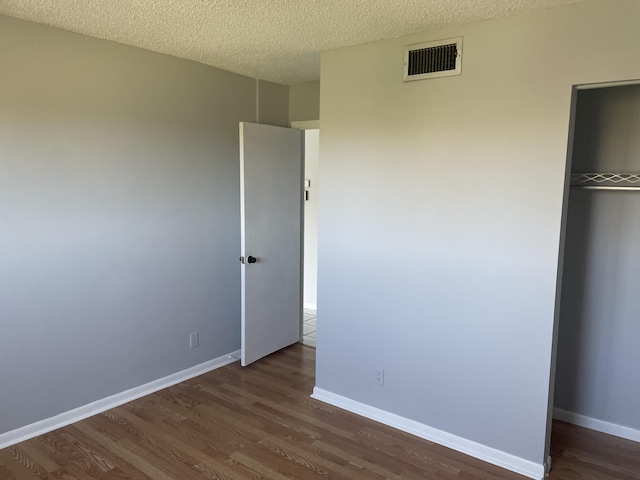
(62, 420)
(597, 425)
(468, 447)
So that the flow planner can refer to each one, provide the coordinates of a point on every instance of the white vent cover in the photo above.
(442, 58)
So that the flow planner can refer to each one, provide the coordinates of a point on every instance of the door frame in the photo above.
(304, 125)
(562, 245)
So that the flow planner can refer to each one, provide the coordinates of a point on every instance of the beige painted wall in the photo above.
(441, 217)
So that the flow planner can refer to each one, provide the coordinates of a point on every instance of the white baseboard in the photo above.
(58, 421)
(311, 306)
(477, 450)
(595, 424)
(548, 465)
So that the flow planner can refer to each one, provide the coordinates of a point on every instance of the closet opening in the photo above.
(597, 384)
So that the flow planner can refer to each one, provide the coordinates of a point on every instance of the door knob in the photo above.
(251, 259)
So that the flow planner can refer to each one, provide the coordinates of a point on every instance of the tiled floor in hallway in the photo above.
(309, 327)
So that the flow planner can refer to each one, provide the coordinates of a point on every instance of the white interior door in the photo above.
(271, 185)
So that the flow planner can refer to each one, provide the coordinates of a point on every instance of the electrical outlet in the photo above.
(380, 376)
(194, 340)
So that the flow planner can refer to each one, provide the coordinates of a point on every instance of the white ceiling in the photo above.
(276, 40)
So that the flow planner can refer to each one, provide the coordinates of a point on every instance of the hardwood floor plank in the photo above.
(21, 457)
(121, 469)
(10, 469)
(358, 461)
(259, 423)
(150, 471)
(32, 450)
(5, 473)
(206, 463)
(585, 453)
(379, 441)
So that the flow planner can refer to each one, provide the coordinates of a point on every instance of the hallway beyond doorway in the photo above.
(309, 327)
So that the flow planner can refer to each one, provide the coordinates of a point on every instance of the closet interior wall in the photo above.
(599, 330)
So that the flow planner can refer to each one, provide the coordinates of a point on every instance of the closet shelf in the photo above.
(606, 181)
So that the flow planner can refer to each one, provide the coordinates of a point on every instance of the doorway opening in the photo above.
(310, 267)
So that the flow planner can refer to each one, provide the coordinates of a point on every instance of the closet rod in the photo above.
(605, 187)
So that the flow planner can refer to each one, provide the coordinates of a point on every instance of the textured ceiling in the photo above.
(276, 40)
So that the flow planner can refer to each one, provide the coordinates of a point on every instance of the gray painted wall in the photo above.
(273, 100)
(599, 332)
(304, 101)
(440, 219)
(119, 217)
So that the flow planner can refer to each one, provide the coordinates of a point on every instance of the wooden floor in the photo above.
(259, 422)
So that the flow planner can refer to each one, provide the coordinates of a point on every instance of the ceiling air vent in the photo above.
(434, 59)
